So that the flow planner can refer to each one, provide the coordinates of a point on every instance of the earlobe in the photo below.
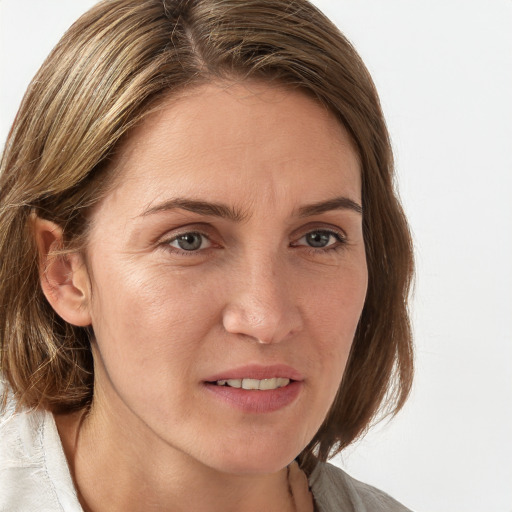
(63, 276)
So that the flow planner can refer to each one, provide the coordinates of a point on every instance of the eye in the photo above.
(320, 239)
(190, 242)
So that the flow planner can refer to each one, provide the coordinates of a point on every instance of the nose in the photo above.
(262, 303)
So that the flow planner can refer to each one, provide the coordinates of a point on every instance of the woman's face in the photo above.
(230, 253)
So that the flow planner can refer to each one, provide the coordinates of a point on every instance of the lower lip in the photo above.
(254, 401)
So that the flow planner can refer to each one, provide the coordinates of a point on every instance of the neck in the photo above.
(115, 469)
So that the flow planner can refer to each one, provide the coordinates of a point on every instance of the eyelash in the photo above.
(341, 241)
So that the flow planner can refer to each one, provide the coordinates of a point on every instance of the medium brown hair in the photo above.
(108, 71)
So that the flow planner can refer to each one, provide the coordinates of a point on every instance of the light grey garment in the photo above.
(336, 491)
(34, 475)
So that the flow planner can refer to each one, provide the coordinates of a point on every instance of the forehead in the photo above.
(229, 140)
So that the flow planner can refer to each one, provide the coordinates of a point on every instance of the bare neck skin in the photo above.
(112, 472)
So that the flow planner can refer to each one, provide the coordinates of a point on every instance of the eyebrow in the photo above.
(338, 203)
(237, 215)
(200, 207)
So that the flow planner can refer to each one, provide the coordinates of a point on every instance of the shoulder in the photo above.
(33, 470)
(335, 490)
(21, 458)
(20, 431)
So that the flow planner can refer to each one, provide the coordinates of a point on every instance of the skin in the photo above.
(253, 292)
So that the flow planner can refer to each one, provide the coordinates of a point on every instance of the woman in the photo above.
(205, 267)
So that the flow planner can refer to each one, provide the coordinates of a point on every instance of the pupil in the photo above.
(190, 241)
(318, 239)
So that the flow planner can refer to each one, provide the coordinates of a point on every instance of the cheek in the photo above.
(334, 313)
(150, 330)
(150, 310)
(333, 318)
(336, 304)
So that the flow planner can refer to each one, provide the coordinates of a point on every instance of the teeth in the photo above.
(277, 382)
(262, 385)
(268, 384)
(250, 384)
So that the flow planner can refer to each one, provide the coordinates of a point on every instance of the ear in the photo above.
(64, 278)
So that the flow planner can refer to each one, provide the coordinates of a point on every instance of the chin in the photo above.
(254, 459)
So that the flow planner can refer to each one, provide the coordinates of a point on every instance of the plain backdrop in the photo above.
(444, 72)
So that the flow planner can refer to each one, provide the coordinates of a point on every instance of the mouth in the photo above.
(256, 389)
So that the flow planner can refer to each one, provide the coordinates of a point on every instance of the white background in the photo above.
(444, 72)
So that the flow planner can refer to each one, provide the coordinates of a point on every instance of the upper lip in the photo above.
(258, 372)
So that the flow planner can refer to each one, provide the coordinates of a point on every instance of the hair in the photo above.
(104, 76)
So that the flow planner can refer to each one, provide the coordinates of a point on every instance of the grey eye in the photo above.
(319, 238)
(190, 242)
